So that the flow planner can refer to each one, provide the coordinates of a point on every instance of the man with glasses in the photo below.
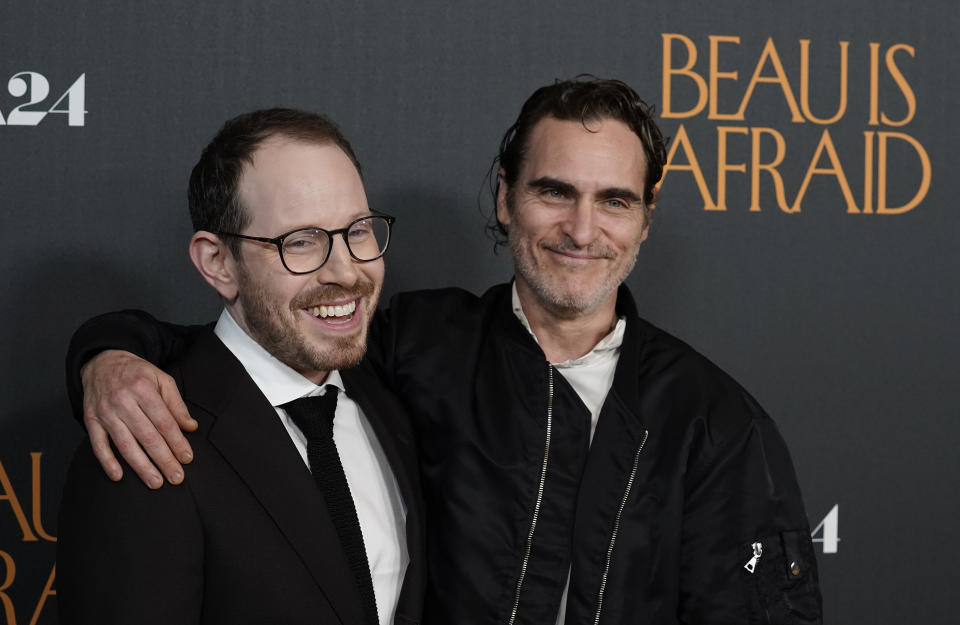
(303, 503)
(579, 464)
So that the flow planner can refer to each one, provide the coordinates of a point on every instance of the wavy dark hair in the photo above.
(585, 98)
(212, 193)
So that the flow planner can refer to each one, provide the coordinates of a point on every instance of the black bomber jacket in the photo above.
(683, 509)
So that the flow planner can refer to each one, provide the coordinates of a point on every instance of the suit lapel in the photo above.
(252, 440)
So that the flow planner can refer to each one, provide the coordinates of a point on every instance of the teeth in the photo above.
(334, 311)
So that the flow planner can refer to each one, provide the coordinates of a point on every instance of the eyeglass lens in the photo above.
(306, 250)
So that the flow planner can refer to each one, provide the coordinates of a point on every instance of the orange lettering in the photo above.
(48, 591)
(805, 82)
(11, 497)
(682, 141)
(756, 166)
(35, 509)
(898, 78)
(874, 84)
(868, 172)
(716, 75)
(669, 71)
(882, 208)
(836, 170)
(770, 52)
(5, 601)
(722, 166)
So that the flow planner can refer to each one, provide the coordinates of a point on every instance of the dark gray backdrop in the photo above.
(843, 325)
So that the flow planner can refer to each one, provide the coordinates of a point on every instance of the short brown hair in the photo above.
(212, 194)
(585, 98)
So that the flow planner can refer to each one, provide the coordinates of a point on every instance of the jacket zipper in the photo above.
(536, 507)
(616, 527)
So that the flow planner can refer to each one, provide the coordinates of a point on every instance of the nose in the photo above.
(340, 267)
(580, 223)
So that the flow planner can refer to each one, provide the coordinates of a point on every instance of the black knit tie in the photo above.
(314, 417)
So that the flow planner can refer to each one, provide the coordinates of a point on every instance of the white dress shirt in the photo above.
(591, 376)
(380, 509)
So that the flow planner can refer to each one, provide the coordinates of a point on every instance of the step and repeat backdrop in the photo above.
(805, 236)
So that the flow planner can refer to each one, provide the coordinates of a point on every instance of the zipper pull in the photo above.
(751, 565)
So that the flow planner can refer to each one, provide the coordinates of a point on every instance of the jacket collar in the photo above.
(634, 340)
(623, 395)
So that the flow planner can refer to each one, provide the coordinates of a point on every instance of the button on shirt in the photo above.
(380, 509)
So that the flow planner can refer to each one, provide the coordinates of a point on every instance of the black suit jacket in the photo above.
(246, 538)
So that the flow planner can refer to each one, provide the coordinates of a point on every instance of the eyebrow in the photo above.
(547, 182)
(350, 220)
(619, 192)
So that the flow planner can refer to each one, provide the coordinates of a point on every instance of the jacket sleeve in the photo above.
(746, 551)
(127, 554)
(134, 331)
(381, 344)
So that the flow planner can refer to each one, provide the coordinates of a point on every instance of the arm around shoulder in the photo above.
(133, 331)
(127, 400)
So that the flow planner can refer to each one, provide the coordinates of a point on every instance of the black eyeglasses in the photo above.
(305, 250)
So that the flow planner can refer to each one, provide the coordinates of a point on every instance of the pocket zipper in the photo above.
(751, 565)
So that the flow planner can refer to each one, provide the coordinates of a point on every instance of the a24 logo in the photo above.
(36, 88)
(829, 530)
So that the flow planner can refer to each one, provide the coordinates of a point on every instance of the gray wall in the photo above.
(842, 321)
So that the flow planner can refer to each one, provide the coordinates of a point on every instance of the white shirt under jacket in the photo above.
(380, 509)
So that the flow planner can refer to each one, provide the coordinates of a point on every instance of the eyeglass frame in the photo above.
(278, 240)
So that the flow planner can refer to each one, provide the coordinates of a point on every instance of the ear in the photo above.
(215, 262)
(503, 210)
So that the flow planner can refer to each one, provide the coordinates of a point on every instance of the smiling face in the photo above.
(575, 216)
(314, 322)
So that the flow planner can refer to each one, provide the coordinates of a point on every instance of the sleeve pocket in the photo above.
(783, 588)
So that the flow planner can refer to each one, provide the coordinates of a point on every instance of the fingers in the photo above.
(157, 429)
(178, 409)
(126, 443)
(102, 451)
(139, 408)
(147, 437)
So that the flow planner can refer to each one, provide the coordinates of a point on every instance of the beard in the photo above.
(557, 294)
(276, 326)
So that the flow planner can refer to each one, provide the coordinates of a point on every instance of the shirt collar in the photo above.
(608, 347)
(276, 380)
